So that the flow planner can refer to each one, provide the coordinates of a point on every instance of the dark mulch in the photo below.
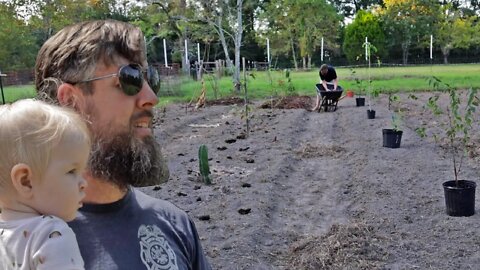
(226, 101)
(289, 102)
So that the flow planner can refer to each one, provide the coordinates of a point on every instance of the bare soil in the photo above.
(308, 190)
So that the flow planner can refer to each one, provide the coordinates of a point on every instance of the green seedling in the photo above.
(203, 164)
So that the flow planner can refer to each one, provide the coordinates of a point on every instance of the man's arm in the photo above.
(324, 83)
(335, 84)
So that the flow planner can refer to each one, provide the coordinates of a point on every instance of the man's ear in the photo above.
(22, 177)
(70, 96)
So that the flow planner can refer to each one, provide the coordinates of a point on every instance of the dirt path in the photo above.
(316, 190)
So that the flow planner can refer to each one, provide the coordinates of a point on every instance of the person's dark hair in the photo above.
(323, 67)
(72, 54)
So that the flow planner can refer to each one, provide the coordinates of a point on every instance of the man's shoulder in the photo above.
(148, 202)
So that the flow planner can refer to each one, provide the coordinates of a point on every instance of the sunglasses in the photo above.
(131, 78)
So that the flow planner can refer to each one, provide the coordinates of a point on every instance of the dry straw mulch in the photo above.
(352, 246)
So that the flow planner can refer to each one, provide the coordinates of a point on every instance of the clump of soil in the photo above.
(354, 246)
(288, 102)
(226, 101)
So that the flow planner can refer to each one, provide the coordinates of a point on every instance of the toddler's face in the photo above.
(62, 186)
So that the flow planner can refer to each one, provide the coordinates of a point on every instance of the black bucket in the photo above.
(360, 101)
(392, 138)
(371, 114)
(460, 198)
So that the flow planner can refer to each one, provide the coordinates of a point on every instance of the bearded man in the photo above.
(100, 69)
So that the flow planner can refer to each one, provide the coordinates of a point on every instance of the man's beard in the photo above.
(125, 160)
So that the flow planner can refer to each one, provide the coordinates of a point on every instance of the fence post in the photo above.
(1, 86)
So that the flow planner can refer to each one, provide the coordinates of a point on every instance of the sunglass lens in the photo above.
(153, 79)
(131, 79)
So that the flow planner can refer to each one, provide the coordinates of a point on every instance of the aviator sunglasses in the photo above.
(131, 78)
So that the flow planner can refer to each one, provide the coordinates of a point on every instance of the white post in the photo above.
(199, 63)
(187, 63)
(198, 53)
(366, 48)
(321, 52)
(165, 52)
(268, 51)
(431, 46)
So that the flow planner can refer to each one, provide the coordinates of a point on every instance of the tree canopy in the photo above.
(229, 29)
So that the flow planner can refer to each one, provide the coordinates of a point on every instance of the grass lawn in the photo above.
(261, 84)
(12, 93)
(385, 79)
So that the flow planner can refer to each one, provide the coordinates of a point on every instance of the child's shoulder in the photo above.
(46, 227)
(52, 222)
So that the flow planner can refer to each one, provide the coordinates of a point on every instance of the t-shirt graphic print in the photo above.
(155, 251)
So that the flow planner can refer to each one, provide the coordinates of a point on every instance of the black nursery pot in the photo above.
(371, 114)
(392, 138)
(460, 197)
(360, 101)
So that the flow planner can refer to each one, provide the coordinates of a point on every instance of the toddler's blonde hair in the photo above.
(30, 130)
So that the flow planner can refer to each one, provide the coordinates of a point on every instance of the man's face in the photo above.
(324, 72)
(124, 150)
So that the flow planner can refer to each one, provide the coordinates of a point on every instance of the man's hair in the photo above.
(30, 130)
(72, 54)
(323, 67)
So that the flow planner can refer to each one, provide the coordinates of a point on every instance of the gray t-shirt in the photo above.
(138, 232)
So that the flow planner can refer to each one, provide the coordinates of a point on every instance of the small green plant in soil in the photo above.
(290, 90)
(203, 164)
(372, 93)
(360, 86)
(455, 121)
(396, 112)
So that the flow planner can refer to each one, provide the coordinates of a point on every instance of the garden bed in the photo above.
(309, 190)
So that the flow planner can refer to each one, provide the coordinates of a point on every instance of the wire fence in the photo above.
(171, 81)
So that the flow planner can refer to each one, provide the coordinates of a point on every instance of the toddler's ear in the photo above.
(21, 175)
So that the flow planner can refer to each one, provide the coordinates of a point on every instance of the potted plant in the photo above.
(370, 92)
(350, 93)
(392, 137)
(360, 101)
(455, 123)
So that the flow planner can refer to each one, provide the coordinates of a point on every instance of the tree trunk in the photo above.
(182, 5)
(445, 52)
(304, 62)
(309, 62)
(293, 54)
(238, 43)
(405, 46)
(224, 42)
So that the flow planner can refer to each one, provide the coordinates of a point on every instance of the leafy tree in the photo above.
(251, 49)
(349, 8)
(409, 22)
(368, 25)
(280, 29)
(455, 31)
(18, 48)
(224, 15)
(303, 23)
(173, 19)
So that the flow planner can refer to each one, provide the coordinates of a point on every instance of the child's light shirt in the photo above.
(41, 242)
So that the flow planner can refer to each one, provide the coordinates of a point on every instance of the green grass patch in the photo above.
(263, 84)
(13, 93)
(385, 79)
